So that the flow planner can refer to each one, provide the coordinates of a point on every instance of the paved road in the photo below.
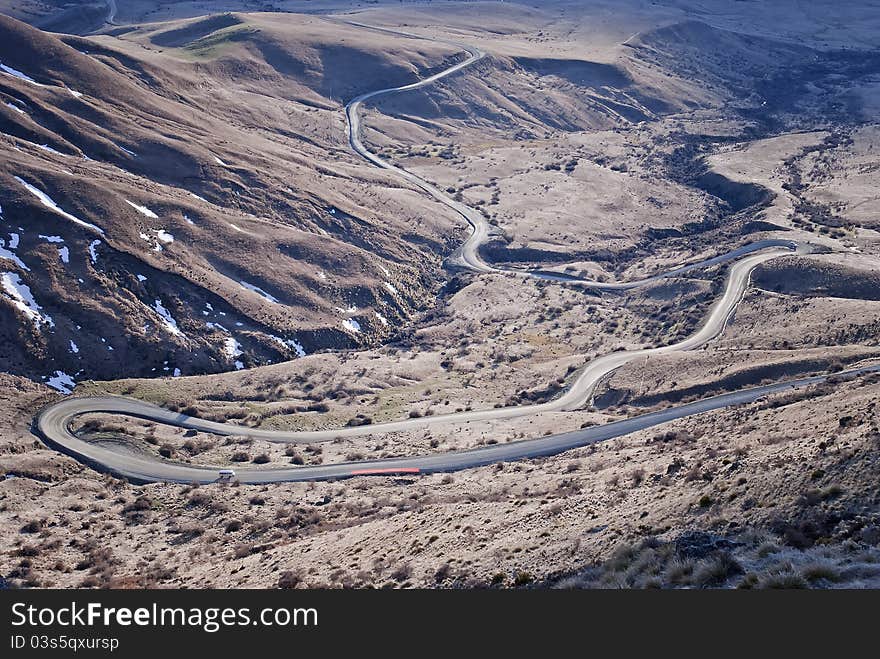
(467, 255)
(111, 12)
(54, 423)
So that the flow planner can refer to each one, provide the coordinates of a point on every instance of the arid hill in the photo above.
(193, 207)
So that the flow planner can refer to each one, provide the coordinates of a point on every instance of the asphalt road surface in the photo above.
(54, 422)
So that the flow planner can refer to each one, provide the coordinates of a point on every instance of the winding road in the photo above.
(54, 423)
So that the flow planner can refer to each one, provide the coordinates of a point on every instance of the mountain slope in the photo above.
(161, 212)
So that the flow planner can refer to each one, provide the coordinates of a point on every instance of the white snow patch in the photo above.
(64, 253)
(231, 348)
(93, 254)
(176, 373)
(74, 93)
(51, 239)
(167, 318)
(385, 270)
(238, 365)
(6, 254)
(259, 291)
(141, 278)
(49, 149)
(23, 299)
(216, 326)
(18, 74)
(143, 210)
(382, 319)
(74, 348)
(322, 274)
(47, 201)
(13, 106)
(220, 162)
(290, 343)
(195, 196)
(237, 228)
(13, 241)
(164, 236)
(351, 325)
(391, 289)
(188, 221)
(122, 148)
(62, 382)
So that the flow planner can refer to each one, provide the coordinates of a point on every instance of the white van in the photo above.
(226, 475)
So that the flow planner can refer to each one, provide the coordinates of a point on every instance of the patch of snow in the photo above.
(239, 229)
(6, 254)
(176, 373)
(216, 326)
(259, 291)
(74, 93)
(208, 306)
(143, 210)
(93, 254)
(382, 319)
(322, 274)
(49, 149)
(231, 348)
(238, 366)
(13, 106)
(141, 278)
(122, 148)
(164, 236)
(51, 239)
(17, 74)
(47, 201)
(188, 221)
(195, 196)
(64, 253)
(74, 348)
(23, 299)
(385, 270)
(289, 343)
(62, 382)
(167, 318)
(220, 162)
(351, 325)
(391, 289)
(297, 347)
